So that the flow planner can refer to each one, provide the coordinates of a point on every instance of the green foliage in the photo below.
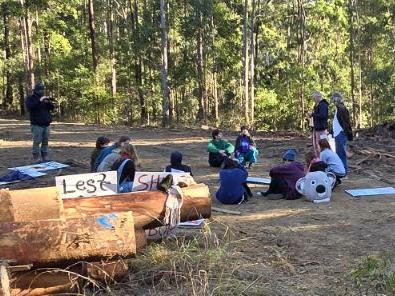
(298, 49)
(374, 275)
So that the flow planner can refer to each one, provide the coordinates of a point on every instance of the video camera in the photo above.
(50, 99)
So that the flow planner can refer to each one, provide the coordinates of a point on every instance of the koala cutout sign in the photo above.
(316, 186)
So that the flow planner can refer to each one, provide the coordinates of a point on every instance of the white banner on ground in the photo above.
(87, 185)
(149, 180)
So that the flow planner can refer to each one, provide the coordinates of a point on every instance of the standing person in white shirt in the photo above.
(342, 130)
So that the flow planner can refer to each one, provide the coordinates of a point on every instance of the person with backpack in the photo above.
(126, 168)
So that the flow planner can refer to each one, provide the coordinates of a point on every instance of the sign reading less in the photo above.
(86, 185)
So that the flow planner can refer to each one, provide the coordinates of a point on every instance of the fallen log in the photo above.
(31, 204)
(63, 242)
(148, 206)
(46, 282)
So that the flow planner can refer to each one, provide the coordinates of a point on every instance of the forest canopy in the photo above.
(190, 62)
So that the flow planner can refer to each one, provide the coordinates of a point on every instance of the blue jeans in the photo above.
(341, 142)
(40, 135)
(250, 156)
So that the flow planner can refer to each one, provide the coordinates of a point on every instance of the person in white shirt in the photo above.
(333, 161)
(342, 131)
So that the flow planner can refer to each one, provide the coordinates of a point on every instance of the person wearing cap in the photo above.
(39, 107)
(218, 149)
(176, 165)
(320, 119)
(342, 130)
(245, 148)
(284, 178)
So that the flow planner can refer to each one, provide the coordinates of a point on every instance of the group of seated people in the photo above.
(122, 157)
(233, 160)
(233, 175)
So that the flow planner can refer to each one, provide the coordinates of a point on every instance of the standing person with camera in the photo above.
(40, 108)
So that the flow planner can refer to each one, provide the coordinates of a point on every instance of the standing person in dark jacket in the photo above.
(245, 148)
(320, 119)
(40, 108)
(284, 178)
(342, 130)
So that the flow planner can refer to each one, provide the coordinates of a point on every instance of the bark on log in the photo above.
(148, 206)
(59, 242)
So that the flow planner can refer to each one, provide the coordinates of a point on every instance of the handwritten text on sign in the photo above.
(149, 180)
(86, 185)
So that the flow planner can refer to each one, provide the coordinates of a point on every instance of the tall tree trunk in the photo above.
(245, 63)
(95, 61)
(26, 33)
(351, 4)
(302, 52)
(252, 62)
(164, 69)
(111, 45)
(200, 62)
(92, 35)
(7, 101)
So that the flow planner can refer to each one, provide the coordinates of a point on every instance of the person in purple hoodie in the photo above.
(245, 148)
(284, 178)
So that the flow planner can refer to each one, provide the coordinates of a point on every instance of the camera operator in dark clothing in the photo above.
(40, 108)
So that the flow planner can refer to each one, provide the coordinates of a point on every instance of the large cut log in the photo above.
(49, 242)
(6, 210)
(148, 206)
(47, 282)
(33, 204)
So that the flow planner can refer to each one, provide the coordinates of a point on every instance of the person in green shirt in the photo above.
(218, 149)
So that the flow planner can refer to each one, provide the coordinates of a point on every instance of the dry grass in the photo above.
(199, 265)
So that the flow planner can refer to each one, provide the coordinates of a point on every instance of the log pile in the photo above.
(39, 229)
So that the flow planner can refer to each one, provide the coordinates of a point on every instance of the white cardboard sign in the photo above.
(86, 185)
(149, 180)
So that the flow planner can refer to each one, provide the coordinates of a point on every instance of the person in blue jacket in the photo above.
(123, 140)
(39, 107)
(233, 188)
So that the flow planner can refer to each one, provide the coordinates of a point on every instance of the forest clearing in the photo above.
(274, 247)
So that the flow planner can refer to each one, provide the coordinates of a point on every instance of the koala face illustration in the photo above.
(316, 186)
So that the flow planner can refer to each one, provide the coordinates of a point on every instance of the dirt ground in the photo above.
(293, 247)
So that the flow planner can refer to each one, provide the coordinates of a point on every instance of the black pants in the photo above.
(278, 186)
(216, 159)
(247, 189)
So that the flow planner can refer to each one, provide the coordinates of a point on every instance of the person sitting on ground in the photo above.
(218, 149)
(284, 178)
(233, 188)
(333, 161)
(125, 167)
(176, 165)
(101, 143)
(245, 149)
(111, 158)
(106, 151)
(314, 163)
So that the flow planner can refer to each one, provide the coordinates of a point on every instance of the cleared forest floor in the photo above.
(287, 247)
